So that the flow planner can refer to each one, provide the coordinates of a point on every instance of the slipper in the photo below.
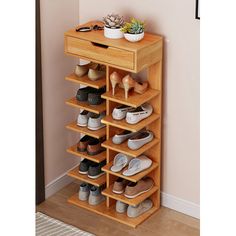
(120, 161)
(137, 165)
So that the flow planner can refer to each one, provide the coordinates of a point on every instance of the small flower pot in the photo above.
(113, 33)
(134, 37)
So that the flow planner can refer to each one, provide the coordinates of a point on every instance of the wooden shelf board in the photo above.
(74, 173)
(84, 130)
(86, 81)
(96, 158)
(123, 147)
(124, 125)
(134, 178)
(108, 192)
(133, 100)
(111, 213)
(84, 105)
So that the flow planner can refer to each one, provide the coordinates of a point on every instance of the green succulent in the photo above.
(133, 27)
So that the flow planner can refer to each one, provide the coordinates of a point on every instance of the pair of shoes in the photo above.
(92, 169)
(90, 145)
(90, 95)
(131, 189)
(132, 115)
(91, 120)
(95, 71)
(135, 139)
(90, 193)
(134, 211)
(127, 83)
(135, 165)
(122, 136)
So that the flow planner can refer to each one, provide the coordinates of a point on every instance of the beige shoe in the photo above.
(119, 185)
(97, 73)
(133, 190)
(81, 70)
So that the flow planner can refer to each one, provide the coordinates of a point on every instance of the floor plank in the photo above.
(165, 222)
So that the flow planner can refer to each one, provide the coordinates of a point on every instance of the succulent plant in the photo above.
(133, 27)
(113, 21)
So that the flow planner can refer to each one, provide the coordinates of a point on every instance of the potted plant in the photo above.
(113, 24)
(133, 30)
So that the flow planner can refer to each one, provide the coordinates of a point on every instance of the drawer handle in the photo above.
(99, 45)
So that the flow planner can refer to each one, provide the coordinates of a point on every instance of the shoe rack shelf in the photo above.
(122, 124)
(84, 80)
(124, 57)
(111, 213)
(84, 105)
(74, 173)
(134, 178)
(84, 130)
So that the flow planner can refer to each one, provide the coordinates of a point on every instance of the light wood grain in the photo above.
(123, 147)
(86, 106)
(111, 55)
(134, 99)
(121, 197)
(111, 213)
(86, 81)
(74, 173)
(96, 158)
(134, 178)
(122, 124)
(84, 130)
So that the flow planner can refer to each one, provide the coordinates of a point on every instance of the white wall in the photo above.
(57, 17)
(175, 21)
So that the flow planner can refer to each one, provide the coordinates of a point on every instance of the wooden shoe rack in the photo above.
(124, 57)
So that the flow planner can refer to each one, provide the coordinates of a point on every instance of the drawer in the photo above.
(99, 52)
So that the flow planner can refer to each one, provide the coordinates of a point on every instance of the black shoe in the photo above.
(82, 93)
(84, 166)
(94, 98)
(95, 170)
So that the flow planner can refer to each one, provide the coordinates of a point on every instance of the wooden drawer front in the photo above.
(99, 52)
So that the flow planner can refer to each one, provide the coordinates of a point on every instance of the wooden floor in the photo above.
(165, 222)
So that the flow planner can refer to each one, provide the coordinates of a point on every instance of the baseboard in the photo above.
(58, 183)
(167, 200)
(180, 205)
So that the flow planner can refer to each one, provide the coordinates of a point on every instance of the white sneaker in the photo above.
(140, 113)
(119, 112)
(83, 117)
(94, 121)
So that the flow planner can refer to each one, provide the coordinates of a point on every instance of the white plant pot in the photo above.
(134, 37)
(113, 33)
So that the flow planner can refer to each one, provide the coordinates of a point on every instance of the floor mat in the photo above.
(48, 226)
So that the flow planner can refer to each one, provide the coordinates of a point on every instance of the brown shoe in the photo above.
(133, 190)
(83, 143)
(94, 147)
(119, 185)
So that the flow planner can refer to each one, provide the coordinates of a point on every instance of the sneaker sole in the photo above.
(117, 192)
(96, 176)
(83, 173)
(96, 128)
(134, 196)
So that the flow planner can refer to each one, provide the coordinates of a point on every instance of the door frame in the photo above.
(40, 182)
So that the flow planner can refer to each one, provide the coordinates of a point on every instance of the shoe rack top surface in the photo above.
(98, 37)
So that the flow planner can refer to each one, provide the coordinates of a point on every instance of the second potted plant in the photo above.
(133, 30)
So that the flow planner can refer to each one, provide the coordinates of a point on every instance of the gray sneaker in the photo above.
(135, 211)
(121, 207)
(95, 196)
(84, 191)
